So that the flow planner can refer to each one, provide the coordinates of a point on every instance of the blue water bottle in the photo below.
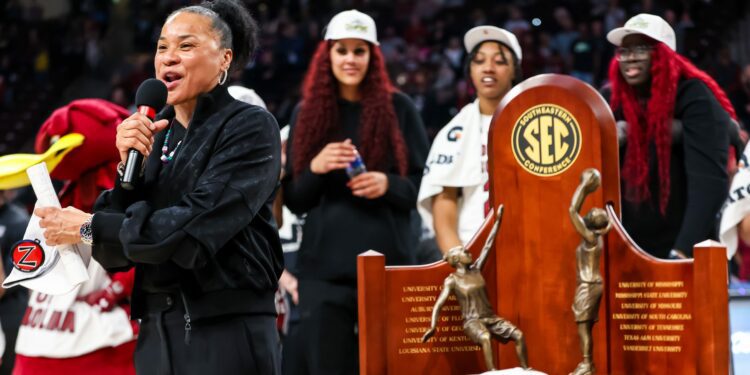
(356, 167)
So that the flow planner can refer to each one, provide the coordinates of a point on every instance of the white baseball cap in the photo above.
(483, 33)
(646, 24)
(352, 24)
(246, 95)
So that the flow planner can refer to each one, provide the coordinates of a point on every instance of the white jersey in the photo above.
(65, 326)
(475, 200)
(737, 205)
(458, 158)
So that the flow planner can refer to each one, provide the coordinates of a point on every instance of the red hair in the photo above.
(381, 142)
(654, 121)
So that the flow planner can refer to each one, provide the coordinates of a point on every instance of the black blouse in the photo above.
(339, 225)
(698, 177)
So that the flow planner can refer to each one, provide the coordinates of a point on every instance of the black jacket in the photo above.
(201, 225)
(698, 176)
(339, 225)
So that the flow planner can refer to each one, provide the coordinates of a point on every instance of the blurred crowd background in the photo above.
(54, 51)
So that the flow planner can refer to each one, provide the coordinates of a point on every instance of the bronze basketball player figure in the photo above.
(589, 291)
(480, 322)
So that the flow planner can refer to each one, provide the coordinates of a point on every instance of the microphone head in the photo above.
(151, 93)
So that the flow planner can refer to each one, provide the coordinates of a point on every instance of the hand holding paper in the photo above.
(57, 269)
(61, 226)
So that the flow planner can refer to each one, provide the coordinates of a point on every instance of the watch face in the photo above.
(87, 236)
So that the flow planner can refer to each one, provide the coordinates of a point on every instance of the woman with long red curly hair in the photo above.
(354, 162)
(678, 124)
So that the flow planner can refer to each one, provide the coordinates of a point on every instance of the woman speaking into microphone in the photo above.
(197, 225)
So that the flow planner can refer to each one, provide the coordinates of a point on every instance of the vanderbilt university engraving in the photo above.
(546, 140)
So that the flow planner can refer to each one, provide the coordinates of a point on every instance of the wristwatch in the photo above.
(87, 236)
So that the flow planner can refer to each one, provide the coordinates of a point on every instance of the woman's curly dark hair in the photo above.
(237, 29)
(654, 120)
(382, 144)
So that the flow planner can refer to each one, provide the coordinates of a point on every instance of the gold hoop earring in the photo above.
(223, 77)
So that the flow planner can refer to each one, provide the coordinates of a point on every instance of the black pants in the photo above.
(227, 345)
(325, 340)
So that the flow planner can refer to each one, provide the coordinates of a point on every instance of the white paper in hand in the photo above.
(47, 269)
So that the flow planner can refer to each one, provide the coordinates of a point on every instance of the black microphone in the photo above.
(150, 98)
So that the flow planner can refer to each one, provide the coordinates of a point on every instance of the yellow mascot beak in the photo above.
(13, 167)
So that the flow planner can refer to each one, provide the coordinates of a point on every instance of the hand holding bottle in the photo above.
(335, 155)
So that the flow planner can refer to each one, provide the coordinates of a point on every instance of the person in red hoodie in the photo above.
(87, 331)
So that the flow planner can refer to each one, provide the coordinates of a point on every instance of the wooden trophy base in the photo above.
(514, 371)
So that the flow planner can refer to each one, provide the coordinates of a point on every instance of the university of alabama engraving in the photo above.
(546, 140)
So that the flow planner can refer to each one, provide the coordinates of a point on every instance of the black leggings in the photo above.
(227, 345)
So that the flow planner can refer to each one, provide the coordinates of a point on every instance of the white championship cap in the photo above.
(483, 33)
(246, 95)
(352, 24)
(45, 268)
(646, 24)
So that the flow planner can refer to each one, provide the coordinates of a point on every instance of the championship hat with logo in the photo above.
(646, 24)
(37, 265)
(484, 33)
(352, 24)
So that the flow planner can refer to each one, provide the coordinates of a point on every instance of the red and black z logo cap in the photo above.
(28, 255)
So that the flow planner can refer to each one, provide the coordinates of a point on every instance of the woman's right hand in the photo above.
(335, 155)
(137, 132)
(289, 284)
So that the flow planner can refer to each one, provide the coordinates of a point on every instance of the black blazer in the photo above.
(201, 225)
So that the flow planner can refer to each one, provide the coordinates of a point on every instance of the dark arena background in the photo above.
(56, 51)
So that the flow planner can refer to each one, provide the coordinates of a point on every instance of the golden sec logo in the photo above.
(546, 140)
